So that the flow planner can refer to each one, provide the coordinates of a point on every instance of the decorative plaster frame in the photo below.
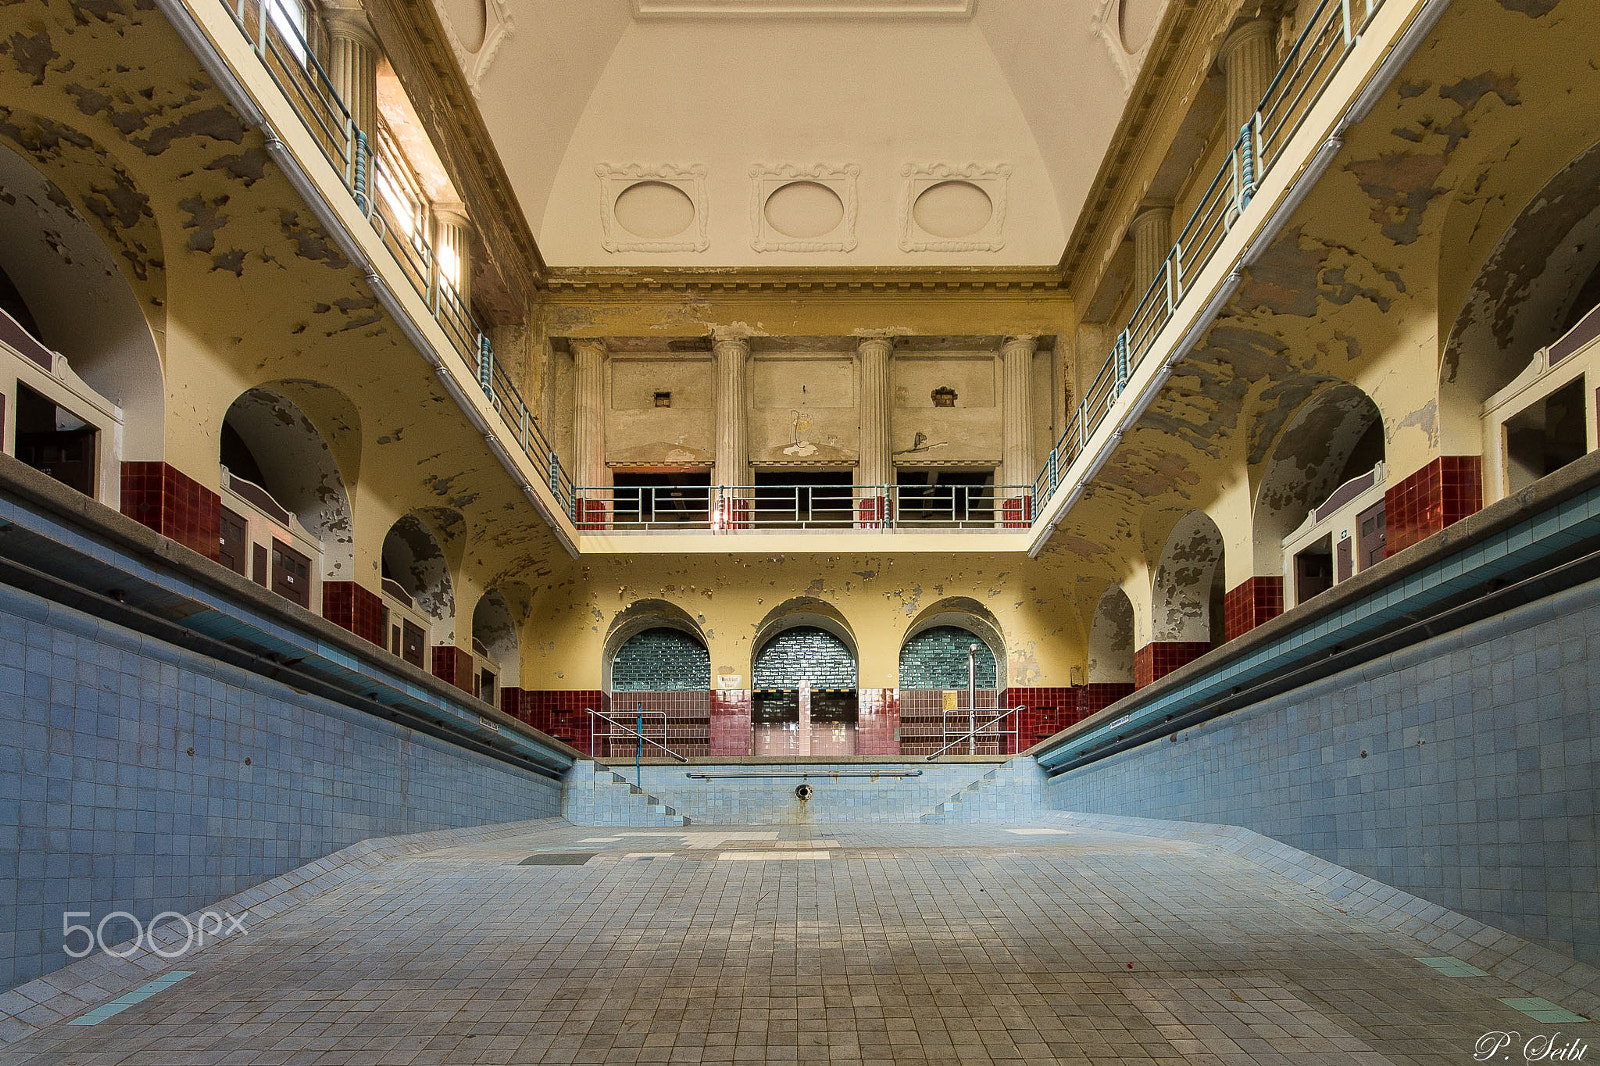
(656, 9)
(920, 177)
(1106, 24)
(767, 179)
(498, 27)
(689, 180)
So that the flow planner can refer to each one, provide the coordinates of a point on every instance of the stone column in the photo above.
(353, 53)
(732, 358)
(452, 250)
(1016, 411)
(1248, 64)
(875, 466)
(1151, 231)
(589, 429)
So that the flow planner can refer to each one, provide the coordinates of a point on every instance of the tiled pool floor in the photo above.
(845, 943)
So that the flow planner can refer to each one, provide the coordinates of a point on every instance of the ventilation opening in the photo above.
(1547, 436)
(54, 441)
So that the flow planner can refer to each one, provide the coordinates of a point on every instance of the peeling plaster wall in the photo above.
(1111, 645)
(1186, 580)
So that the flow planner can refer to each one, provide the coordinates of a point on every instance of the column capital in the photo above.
(349, 24)
(1019, 342)
(589, 345)
(876, 343)
(1151, 214)
(451, 213)
(1251, 32)
(730, 343)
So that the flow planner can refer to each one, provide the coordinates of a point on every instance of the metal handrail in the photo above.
(1315, 57)
(734, 508)
(363, 159)
(635, 732)
(974, 731)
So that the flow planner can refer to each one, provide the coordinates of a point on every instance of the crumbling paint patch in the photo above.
(1401, 186)
(205, 218)
(32, 54)
(309, 241)
(219, 123)
(247, 166)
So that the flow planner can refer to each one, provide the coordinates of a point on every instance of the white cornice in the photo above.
(919, 9)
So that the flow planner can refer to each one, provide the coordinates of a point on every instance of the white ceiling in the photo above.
(566, 86)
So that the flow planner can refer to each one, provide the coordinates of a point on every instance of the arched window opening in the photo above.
(804, 699)
(939, 701)
(661, 659)
(1319, 514)
(937, 658)
(417, 591)
(657, 675)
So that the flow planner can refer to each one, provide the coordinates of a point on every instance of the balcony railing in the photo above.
(1313, 59)
(734, 508)
(368, 163)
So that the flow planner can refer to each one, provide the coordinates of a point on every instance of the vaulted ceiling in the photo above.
(800, 132)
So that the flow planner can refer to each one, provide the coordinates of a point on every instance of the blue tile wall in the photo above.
(1009, 792)
(661, 660)
(805, 653)
(102, 808)
(937, 658)
(1461, 770)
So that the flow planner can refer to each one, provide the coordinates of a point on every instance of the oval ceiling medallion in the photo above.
(804, 209)
(1136, 21)
(654, 210)
(952, 209)
(470, 20)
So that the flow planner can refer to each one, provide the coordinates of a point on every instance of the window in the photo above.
(1313, 570)
(288, 19)
(233, 542)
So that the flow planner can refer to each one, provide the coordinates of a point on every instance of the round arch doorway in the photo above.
(804, 699)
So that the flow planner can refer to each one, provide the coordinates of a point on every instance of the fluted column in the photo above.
(452, 249)
(353, 66)
(589, 428)
(732, 358)
(1247, 67)
(1152, 241)
(875, 467)
(1016, 409)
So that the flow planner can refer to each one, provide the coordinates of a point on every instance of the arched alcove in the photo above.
(494, 633)
(661, 659)
(800, 653)
(1335, 438)
(1111, 639)
(413, 560)
(78, 299)
(1541, 278)
(646, 616)
(1188, 584)
(268, 441)
(938, 639)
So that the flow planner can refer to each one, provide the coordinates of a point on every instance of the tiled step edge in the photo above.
(1529, 966)
(79, 986)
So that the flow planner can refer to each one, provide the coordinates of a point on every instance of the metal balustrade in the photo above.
(371, 165)
(1312, 60)
(733, 508)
